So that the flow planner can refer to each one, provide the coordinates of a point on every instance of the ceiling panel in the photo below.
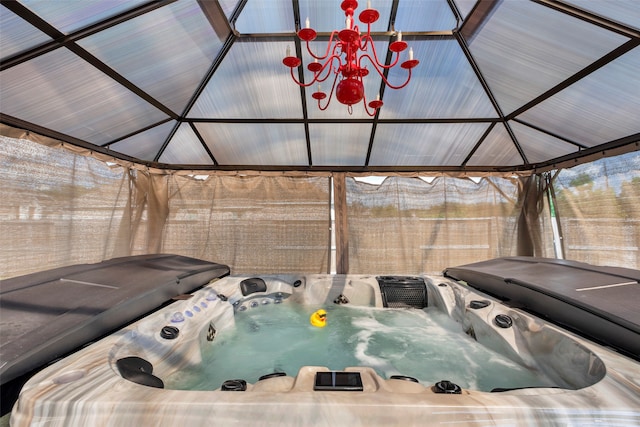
(256, 143)
(17, 35)
(343, 144)
(185, 148)
(251, 82)
(71, 15)
(443, 85)
(421, 15)
(623, 11)
(524, 49)
(166, 52)
(145, 145)
(62, 92)
(438, 144)
(273, 16)
(599, 108)
(539, 146)
(496, 149)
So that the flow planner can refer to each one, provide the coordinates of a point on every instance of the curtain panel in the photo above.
(410, 226)
(59, 208)
(254, 224)
(598, 205)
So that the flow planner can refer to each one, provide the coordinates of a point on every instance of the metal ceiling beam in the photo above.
(194, 129)
(456, 12)
(385, 73)
(144, 129)
(477, 17)
(462, 42)
(555, 135)
(619, 146)
(478, 144)
(375, 35)
(295, 4)
(514, 139)
(223, 29)
(26, 14)
(591, 18)
(387, 170)
(217, 61)
(616, 147)
(215, 15)
(226, 47)
(236, 13)
(336, 120)
(113, 74)
(64, 138)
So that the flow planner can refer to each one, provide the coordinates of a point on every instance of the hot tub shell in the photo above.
(595, 384)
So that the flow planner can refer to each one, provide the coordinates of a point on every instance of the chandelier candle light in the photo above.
(344, 58)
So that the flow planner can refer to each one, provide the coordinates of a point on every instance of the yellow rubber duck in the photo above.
(319, 319)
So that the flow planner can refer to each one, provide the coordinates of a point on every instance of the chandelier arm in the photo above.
(316, 77)
(375, 64)
(321, 108)
(299, 83)
(375, 55)
(329, 45)
(364, 40)
(329, 61)
(366, 107)
(330, 94)
(384, 79)
(398, 87)
(393, 64)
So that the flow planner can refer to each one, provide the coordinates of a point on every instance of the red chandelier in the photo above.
(344, 58)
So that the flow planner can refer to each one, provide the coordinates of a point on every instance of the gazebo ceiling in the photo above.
(501, 86)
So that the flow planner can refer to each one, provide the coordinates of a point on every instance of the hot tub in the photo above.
(126, 378)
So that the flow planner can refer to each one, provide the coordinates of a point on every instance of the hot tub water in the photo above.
(424, 344)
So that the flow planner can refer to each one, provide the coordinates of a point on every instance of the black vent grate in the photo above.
(403, 291)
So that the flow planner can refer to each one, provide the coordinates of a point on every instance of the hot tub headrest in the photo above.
(252, 285)
(138, 370)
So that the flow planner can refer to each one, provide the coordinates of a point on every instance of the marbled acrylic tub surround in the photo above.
(87, 389)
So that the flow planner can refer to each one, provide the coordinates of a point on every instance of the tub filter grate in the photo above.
(403, 291)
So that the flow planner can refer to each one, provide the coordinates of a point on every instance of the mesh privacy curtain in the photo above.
(598, 205)
(63, 206)
(59, 208)
(407, 225)
(254, 224)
